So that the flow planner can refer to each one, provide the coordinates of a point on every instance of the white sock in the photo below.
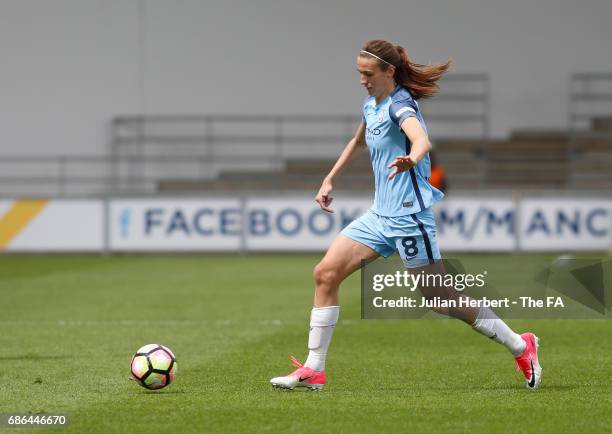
(494, 328)
(322, 322)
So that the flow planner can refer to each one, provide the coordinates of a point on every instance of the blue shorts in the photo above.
(412, 236)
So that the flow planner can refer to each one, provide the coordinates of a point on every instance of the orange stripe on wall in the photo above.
(17, 218)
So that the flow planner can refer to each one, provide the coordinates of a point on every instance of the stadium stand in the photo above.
(504, 165)
(223, 153)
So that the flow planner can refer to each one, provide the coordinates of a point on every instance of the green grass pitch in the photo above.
(70, 324)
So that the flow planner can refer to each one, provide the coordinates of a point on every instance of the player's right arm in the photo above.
(356, 145)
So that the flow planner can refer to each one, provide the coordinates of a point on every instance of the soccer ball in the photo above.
(153, 366)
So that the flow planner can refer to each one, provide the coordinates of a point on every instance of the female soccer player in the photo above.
(393, 129)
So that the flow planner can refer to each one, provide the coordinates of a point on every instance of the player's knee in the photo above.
(442, 310)
(325, 276)
(441, 298)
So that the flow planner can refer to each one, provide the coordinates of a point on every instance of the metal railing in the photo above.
(462, 107)
(51, 175)
(590, 129)
(147, 150)
(590, 106)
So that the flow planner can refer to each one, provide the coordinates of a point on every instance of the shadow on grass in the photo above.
(163, 392)
(499, 388)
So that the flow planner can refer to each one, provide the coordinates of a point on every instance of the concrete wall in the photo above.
(70, 65)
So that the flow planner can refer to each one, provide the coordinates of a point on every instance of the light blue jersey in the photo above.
(401, 219)
(409, 192)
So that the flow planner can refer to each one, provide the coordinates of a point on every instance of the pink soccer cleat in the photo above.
(301, 377)
(528, 361)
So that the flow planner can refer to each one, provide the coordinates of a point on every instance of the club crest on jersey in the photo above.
(381, 116)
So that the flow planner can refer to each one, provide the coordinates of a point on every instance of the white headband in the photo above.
(374, 55)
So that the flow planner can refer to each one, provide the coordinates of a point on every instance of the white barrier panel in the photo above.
(565, 224)
(205, 224)
(475, 224)
(288, 223)
(297, 224)
(57, 225)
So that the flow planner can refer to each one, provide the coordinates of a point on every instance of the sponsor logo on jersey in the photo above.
(373, 131)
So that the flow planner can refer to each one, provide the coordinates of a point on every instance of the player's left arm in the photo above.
(420, 146)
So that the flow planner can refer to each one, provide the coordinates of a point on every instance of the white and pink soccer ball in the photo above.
(153, 366)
